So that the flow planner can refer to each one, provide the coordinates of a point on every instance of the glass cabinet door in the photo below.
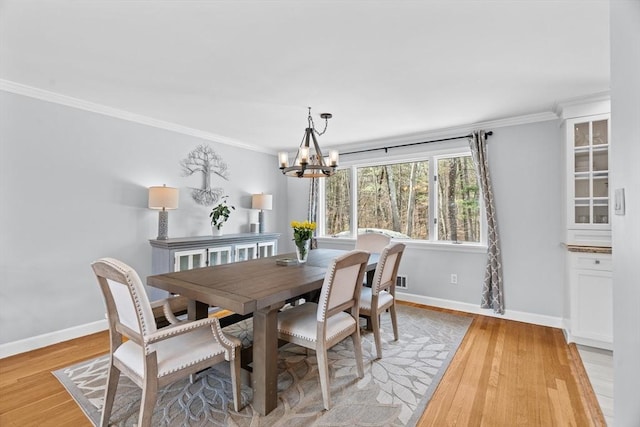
(186, 260)
(220, 255)
(591, 172)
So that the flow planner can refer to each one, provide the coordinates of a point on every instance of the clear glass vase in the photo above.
(302, 250)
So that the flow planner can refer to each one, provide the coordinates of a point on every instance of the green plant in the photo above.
(220, 213)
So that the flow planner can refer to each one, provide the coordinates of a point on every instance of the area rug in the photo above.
(394, 391)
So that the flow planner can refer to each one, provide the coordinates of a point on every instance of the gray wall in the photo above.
(625, 150)
(527, 175)
(74, 189)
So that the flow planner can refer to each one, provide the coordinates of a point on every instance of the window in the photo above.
(338, 202)
(397, 199)
(458, 200)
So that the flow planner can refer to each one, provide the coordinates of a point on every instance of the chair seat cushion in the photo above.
(243, 330)
(173, 353)
(385, 299)
(301, 322)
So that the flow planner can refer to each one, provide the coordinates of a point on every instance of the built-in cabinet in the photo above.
(588, 194)
(587, 231)
(185, 253)
(591, 298)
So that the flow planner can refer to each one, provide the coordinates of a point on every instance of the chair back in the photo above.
(341, 287)
(372, 242)
(387, 268)
(128, 308)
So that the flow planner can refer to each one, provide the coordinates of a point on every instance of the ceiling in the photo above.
(247, 70)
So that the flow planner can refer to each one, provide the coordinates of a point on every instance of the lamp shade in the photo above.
(163, 197)
(262, 201)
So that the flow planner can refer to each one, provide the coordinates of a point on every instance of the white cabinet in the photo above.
(185, 253)
(246, 251)
(591, 299)
(186, 260)
(588, 196)
(219, 255)
(587, 230)
(266, 249)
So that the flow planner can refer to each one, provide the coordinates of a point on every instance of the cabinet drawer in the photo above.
(593, 261)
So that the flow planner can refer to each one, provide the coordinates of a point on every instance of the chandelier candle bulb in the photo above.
(333, 158)
(304, 155)
(284, 159)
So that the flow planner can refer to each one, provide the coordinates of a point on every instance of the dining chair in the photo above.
(153, 357)
(372, 242)
(321, 326)
(380, 296)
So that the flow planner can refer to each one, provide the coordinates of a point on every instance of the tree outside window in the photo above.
(395, 199)
(458, 200)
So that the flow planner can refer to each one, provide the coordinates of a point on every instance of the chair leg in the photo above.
(149, 397)
(357, 349)
(235, 381)
(375, 325)
(323, 371)
(149, 392)
(110, 394)
(394, 321)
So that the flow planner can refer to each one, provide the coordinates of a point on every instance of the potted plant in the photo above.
(220, 214)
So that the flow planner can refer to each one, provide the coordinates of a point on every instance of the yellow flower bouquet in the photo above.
(302, 233)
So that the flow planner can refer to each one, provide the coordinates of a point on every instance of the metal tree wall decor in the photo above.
(206, 161)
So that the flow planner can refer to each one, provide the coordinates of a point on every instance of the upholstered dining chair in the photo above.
(321, 326)
(154, 357)
(372, 242)
(380, 296)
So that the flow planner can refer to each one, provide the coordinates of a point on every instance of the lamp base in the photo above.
(163, 225)
(261, 221)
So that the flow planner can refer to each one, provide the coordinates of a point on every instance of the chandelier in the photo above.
(309, 161)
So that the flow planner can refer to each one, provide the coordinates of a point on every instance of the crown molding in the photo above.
(81, 104)
(596, 103)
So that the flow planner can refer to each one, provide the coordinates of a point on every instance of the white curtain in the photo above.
(492, 292)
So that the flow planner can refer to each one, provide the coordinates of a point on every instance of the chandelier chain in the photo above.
(313, 126)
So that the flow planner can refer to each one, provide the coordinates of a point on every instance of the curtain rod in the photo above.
(412, 143)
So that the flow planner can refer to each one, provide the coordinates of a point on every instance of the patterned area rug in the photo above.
(394, 391)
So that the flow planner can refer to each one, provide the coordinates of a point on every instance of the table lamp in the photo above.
(264, 202)
(163, 198)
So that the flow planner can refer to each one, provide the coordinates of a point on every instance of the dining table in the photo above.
(259, 287)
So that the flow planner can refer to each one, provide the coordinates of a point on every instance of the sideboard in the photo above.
(183, 253)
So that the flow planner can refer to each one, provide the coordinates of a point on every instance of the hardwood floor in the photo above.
(505, 373)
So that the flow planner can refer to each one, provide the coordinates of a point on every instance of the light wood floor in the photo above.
(504, 374)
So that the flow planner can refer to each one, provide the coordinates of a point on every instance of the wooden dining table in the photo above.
(259, 287)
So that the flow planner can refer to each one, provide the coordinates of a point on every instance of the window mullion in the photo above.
(354, 201)
(433, 199)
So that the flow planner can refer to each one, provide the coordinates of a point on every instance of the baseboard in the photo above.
(520, 316)
(28, 344)
(33, 343)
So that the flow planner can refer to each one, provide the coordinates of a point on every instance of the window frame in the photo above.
(432, 157)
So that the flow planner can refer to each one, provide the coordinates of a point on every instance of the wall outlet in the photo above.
(401, 282)
(454, 279)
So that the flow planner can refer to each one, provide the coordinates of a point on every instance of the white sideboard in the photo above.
(183, 253)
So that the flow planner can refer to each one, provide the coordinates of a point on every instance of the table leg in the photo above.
(265, 360)
(197, 310)
(370, 274)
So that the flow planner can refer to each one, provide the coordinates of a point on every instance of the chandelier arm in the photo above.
(319, 155)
